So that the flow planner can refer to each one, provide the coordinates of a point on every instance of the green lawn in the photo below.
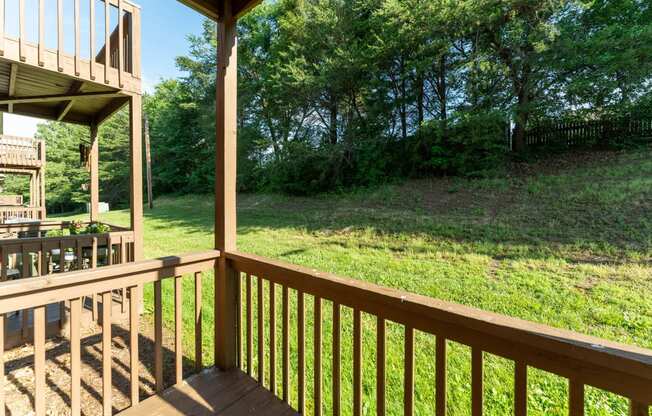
(570, 247)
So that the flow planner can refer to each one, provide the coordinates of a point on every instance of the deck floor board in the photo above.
(213, 392)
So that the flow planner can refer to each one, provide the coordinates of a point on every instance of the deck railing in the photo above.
(122, 72)
(21, 151)
(582, 360)
(37, 293)
(21, 213)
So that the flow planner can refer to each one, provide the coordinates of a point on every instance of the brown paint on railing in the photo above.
(75, 356)
(272, 338)
(39, 359)
(261, 332)
(477, 385)
(134, 362)
(440, 376)
(357, 362)
(380, 366)
(575, 398)
(198, 329)
(286, 344)
(337, 359)
(301, 351)
(250, 326)
(178, 329)
(158, 336)
(317, 377)
(107, 384)
(408, 373)
(2, 364)
(520, 389)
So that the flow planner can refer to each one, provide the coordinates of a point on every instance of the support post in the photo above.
(225, 188)
(148, 162)
(136, 136)
(95, 178)
(41, 182)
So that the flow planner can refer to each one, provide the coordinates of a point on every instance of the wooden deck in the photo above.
(213, 392)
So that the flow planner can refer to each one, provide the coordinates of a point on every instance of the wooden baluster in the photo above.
(39, 263)
(21, 30)
(94, 254)
(272, 337)
(286, 345)
(123, 260)
(638, 409)
(77, 41)
(575, 398)
(261, 334)
(317, 321)
(440, 377)
(75, 356)
(45, 266)
(198, 333)
(357, 362)
(80, 255)
(408, 389)
(107, 40)
(62, 256)
(41, 32)
(337, 359)
(4, 258)
(520, 389)
(26, 269)
(178, 329)
(250, 326)
(476, 382)
(158, 336)
(39, 360)
(60, 43)
(106, 354)
(2, 364)
(238, 317)
(2, 31)
(121, 62)
(134, 363)
(380, 366)
(109, 247)
(301, 349)
(91, 58)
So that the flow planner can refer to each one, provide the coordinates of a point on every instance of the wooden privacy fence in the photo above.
(606, 132)
(37, 293)
(582, 360)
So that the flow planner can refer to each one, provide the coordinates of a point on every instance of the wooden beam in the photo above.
(205, 7)
(64, 109)
(136, 197)
(95, 179)
(225, 187)
(13, 74)
(58, 97)
(110, 109)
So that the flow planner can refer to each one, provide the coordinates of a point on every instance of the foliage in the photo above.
(76, 227)
(337, 94)
(97, 228)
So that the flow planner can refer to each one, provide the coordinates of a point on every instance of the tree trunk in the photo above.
(420, 97)
(443, 97)
(403, 109)
(333, 111)
(522, 117)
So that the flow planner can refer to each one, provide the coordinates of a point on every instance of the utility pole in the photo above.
(148, 160)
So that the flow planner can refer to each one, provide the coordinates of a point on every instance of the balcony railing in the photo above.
(123, 56)
(21, 151)
(16, 213)
(267, 355)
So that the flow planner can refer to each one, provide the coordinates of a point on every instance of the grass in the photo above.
(569, 247)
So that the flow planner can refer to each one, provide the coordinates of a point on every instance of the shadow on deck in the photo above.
(214, 392)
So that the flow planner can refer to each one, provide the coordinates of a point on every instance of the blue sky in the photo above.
(165, 26)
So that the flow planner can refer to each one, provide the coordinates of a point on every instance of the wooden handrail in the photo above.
(72, 287)
(585, 360)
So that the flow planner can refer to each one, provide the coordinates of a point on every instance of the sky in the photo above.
(165, 27)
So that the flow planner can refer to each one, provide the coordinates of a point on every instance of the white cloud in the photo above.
(15, 125)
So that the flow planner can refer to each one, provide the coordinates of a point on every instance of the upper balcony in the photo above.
(21, 152)
(54, 70)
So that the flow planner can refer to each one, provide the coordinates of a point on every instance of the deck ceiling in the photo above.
(211, 8)
(80, 102)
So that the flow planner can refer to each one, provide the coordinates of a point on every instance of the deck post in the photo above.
(136, 136)
(95, 180)
(225, 188)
